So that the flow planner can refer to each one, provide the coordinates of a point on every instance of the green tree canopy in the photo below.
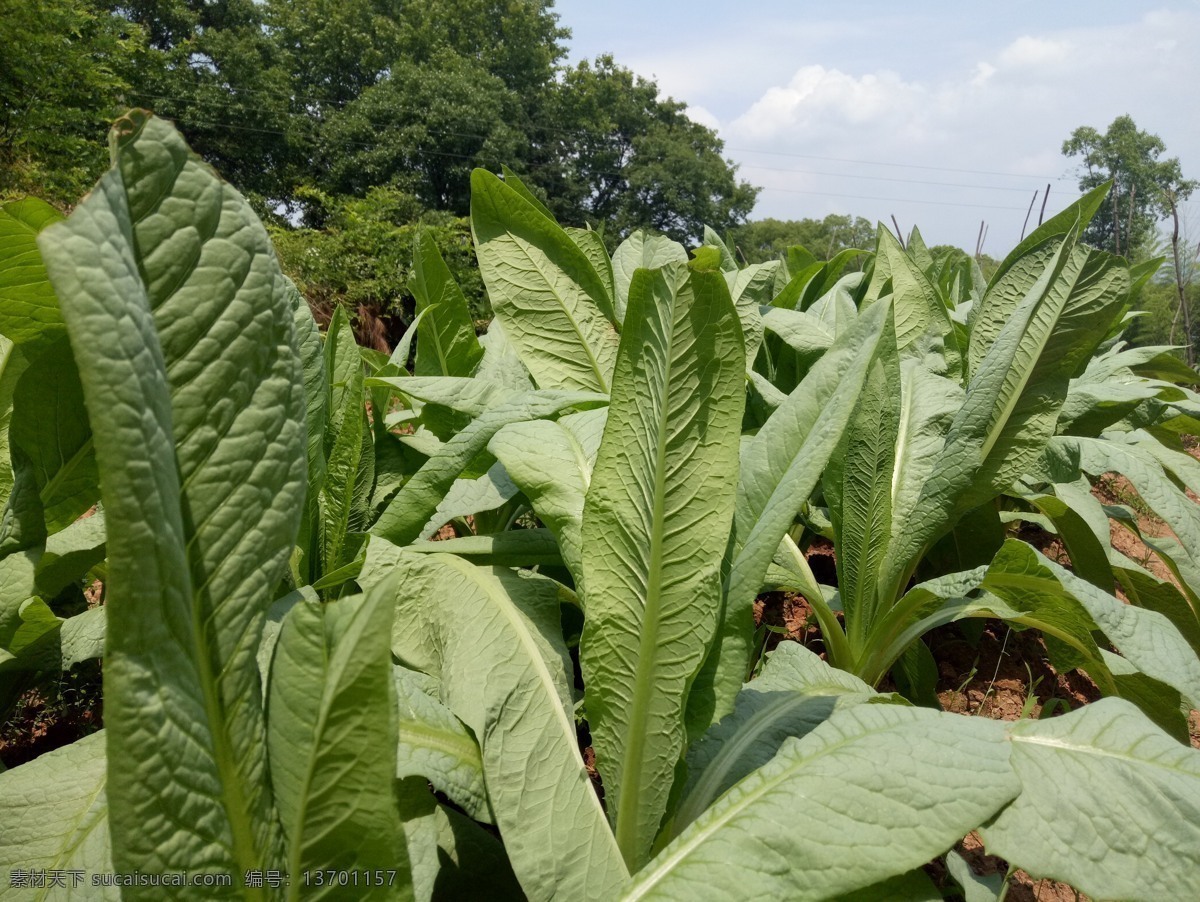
(293, 100)
(610, 147)
(769, 239)
(1142, 181)
(63, 71)
(423, 127)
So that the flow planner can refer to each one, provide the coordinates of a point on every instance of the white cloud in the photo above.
(1033, 52)
(702, 116)
(1007, 110)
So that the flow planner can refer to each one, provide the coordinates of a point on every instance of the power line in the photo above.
(884, 178)
(894, 200)
(806, 156)
(230, 102)
(471, 158)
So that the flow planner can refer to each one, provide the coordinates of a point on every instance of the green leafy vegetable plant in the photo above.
(560, 528)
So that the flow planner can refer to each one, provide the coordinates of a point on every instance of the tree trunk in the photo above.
(1179, 288)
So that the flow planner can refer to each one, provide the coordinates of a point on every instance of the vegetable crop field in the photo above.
(861, 578)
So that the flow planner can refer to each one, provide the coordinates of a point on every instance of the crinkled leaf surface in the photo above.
(409, 511)
(640, 250)
(655, 525)
(29, 311)
(434, 744)
(493, 640)
(1069, 295)
(552, 460)
(795, 692)
(331, 742)
(446, 342)
(54, 816)
(780, 467)
(906, 783)
(197, 406)
(1109, 803)
(544, 290)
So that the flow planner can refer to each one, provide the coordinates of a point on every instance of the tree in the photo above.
(423, 128)
(622, 157)
(213, 68)
(63, 73)
(769, 239)
(1143, 184)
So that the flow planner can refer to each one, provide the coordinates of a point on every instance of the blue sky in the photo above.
(940, 113)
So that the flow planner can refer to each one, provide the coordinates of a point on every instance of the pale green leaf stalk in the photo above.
(655, 524)
(331, 740)
(545, 291)
(182, 326)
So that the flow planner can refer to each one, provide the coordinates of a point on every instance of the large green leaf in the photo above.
(903, 783)
(433, 744)
(1145, 471)
(472, 496)
(456, 621)
(795, 692)
(54, 817)
(409, 511)
(197, 406)
(591, 243)
(1015, 392)
(640, 250)
(349, 467)
(552, 463)
(1109, 803)
(50, 426)
(780, 468)
(513, 548)
(331, 742)
(70, 554)
(858, 488)
(452, 856)
(446, 342)
(1073, 218)
(22, 541)
(728, 261)
(1145, 638)
(317, 400)
(29, 311)
(544, 290)
(655, 525)
(921, 316)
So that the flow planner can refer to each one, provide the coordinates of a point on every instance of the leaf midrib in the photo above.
(523, 246)
(628, 804)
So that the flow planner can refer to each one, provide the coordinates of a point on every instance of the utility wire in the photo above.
(229, 102)
(613, 174)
